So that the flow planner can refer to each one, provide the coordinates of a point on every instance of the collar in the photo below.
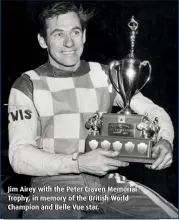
(49, 70)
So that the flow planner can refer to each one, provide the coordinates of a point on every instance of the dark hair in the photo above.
(56, 9)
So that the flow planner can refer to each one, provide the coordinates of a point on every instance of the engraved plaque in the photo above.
(121, 129)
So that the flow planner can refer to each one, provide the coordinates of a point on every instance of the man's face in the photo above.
(64, 41)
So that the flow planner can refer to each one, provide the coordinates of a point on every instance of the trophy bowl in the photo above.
(126, 77)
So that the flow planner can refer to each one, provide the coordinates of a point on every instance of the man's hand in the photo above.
(99, 162)
(163, 152)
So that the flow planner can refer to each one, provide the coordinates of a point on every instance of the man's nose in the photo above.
(68, 41)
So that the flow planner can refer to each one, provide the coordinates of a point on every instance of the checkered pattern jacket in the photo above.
(65, 104)
(46, 127)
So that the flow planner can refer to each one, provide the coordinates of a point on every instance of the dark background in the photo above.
(107, 39)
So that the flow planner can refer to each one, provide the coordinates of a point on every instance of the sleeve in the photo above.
(141, 105)
(24, 154)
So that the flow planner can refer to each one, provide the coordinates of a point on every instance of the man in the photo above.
(48, 109)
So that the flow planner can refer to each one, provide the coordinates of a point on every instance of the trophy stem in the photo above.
(127, 110)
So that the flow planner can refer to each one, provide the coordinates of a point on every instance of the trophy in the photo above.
(132, 135)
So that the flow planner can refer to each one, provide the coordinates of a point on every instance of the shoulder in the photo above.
(24, 85)
(104, 67)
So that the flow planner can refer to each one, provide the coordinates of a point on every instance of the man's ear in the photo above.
(84, 36)
(41, 41)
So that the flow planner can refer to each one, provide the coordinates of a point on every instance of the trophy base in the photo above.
(130, 149)
(136, 160)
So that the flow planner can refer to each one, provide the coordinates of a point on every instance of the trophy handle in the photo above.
(144, 63)
(113, 65)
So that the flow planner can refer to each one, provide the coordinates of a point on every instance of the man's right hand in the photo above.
(99, 162)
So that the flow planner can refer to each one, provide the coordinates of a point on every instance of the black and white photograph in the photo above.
(89, 109)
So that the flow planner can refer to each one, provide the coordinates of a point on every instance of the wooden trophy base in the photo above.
(130, 149)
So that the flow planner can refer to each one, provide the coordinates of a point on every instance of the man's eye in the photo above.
(59, 35)
(75, 33)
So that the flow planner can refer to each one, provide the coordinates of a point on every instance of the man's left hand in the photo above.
(163, 152)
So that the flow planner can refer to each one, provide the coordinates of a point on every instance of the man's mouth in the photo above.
(68, 52)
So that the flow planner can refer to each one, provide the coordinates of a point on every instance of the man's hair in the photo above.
(59, 8)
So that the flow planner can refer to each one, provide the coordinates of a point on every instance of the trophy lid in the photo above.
(133, 25)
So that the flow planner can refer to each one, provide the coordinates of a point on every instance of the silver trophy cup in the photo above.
(132, 134)
(126, 76)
